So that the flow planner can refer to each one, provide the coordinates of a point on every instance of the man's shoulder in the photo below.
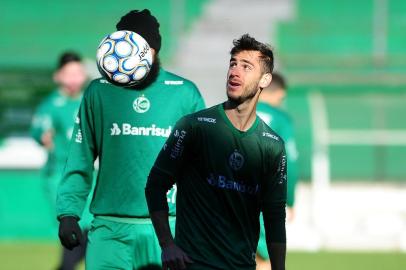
(46, 104)
(97, 86)
(100, 82)
(53, 101)
(203, 117)
(208, 115)
(171, 79)
(268, 135)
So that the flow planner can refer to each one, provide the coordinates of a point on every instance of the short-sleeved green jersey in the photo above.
(57, 114)
(225, 177)
(282, 124)
(125, 129)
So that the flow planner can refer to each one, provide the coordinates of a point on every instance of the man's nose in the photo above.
(235, 72)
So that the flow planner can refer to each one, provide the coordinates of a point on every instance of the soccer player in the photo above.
(52, 128)
(269, 109)
(228, 166)
(125, 128)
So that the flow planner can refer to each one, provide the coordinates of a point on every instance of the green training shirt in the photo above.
(282, 124)
(57, 114)
(125, 129)
(225, 177)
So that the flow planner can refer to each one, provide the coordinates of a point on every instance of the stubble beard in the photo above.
(248, 93)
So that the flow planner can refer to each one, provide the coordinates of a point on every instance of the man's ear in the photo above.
(265, 80)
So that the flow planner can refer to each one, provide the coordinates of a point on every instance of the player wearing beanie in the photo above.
(125, 129)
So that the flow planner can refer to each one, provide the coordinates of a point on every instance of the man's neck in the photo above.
(242, 115)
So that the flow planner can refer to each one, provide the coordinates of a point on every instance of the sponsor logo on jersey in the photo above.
(282, 170)
(141, 104)
(127, 129)
(173, 82)
(269, 135)
(177, 148)
(236, 160)
(220, 181)
(207, 119)
(115, 130)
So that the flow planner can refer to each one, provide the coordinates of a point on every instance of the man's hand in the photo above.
(47, 140)
(70, 233)
(174, 258)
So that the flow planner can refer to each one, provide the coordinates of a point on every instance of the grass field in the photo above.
(44, 256)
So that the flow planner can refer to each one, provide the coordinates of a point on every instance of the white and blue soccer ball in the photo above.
(124, 58)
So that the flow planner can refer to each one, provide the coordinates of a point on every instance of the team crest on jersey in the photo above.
(236, 160)
(141, 104)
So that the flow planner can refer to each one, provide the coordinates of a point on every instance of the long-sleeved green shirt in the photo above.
(225, 178)
(125, 129)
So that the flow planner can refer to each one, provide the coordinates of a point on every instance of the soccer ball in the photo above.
(124, 58)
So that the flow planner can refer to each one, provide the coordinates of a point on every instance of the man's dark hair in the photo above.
(278, 81)
(248, 43)
(143, 23)
(68, 57)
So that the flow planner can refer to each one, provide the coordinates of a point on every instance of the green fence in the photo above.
(353, 54)
(354, 108)
(341, 35)
(38, 31)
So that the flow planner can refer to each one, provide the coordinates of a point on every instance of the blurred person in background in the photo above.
(126, 137)
(269, 109)
(52, 128)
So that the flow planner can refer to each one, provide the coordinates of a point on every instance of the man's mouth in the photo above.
(233, 84)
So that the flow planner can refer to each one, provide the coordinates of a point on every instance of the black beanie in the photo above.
(144, 24)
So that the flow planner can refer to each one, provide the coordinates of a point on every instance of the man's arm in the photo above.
(155, 193)
(42, 125)
(161, 178)
(276, 239)
(287, 133)
(274, 211)
(292, 156)
(77, 178)
(157, 185)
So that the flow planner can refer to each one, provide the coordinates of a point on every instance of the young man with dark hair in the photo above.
(126, 138)
(229, 166)
(52, 128)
